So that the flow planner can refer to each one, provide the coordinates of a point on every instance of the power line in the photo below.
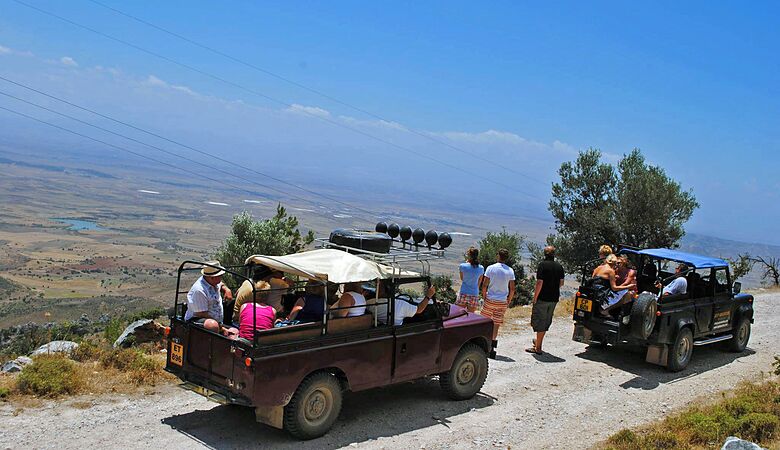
(202, 152)
(272, 99)
(140, 155)
(306, 88)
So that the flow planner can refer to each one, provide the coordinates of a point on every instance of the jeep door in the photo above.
(417, 350)
(722, 300)
(704, 305)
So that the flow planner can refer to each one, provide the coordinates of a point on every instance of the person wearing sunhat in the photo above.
(204, 300)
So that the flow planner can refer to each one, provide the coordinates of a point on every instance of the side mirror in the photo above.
(736, 287)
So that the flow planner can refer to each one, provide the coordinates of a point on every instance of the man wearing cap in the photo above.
(204, 300)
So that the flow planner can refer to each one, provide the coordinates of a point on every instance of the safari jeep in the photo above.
(294, 376)
(670, 326)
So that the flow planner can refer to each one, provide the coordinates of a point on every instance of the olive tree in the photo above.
(278, 235)
(634, 203)
(741, 265)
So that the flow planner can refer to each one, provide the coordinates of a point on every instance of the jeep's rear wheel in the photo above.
(643, 315)
(681, 350)
(467, 374)
(738, 343)
(315, 406)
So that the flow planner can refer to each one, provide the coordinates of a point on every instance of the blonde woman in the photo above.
(608, 278)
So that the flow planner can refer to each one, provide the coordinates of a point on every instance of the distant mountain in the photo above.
(724, 248)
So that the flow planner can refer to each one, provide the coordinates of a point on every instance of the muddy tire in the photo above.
(314, 407)
(643, 315)
(467, 374)
(681, 350)
(739, 342)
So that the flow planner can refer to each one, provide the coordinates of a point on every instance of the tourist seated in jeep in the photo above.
(352, 302)
(679, 285)
(626, 274)
(605, 280)
(404, 309)
(256, 315)
(311, 307)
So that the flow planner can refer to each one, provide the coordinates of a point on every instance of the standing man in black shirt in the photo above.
(549, 279)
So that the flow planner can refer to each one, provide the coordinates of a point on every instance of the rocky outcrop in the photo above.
(735, 443)
(56, 347)
(139, 332)
(15, 365)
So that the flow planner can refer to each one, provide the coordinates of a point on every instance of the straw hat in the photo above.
(212, 271)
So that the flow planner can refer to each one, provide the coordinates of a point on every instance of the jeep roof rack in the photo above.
(408, 253)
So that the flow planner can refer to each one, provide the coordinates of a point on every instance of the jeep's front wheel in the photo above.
(315, 406)
(739, 341)
(681, 350)
(467, 374)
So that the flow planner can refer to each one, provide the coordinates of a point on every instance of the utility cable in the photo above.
(202, 152)
(272, 99)
(140, 155)
(307, 88)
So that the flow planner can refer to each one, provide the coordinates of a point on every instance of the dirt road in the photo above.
(572, 397)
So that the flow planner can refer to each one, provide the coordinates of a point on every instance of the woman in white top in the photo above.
(352, 301)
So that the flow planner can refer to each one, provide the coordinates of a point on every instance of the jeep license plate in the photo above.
(584, 304)
(177, 354)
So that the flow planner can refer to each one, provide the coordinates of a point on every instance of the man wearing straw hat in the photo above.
(204, 300)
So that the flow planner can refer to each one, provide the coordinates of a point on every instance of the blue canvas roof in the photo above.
(697, 261)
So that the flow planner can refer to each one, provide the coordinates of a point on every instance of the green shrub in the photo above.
(443, 285)
(50, 376)
(661, 440)
(702, 427)
(625, 440)
(88, 350)
(114, 329)
(758, 427)
(4, 393)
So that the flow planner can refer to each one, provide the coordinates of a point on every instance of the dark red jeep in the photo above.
(294, 376)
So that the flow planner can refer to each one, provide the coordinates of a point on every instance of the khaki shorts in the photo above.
(542, 315)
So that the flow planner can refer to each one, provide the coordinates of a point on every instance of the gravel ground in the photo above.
(572, 397)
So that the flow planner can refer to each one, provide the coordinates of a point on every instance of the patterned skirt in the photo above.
(467, 301)
(494, 311)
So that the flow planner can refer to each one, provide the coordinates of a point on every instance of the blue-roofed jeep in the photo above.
(670, 326)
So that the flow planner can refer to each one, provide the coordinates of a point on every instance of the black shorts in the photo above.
(542, 315)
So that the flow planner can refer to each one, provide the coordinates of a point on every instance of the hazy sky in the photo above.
(524, 86)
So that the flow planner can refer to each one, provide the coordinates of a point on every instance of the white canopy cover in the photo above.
(331, 265)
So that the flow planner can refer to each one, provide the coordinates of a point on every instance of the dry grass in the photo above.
(518, 317)
(750, 412)
(94, 369)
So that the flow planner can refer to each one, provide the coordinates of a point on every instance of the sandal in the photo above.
(533, 350)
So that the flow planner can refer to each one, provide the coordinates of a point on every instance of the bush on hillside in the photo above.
(50, 376)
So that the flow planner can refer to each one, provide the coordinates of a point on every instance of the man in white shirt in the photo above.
(498, 289)
(204, 299)
(403, 309)
(679, 285)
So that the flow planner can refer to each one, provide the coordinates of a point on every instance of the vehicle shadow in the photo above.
(650, 376)
(364, 416)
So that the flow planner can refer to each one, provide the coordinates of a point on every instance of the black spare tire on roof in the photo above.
(361, 240)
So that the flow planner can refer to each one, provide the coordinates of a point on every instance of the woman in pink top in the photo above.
(258, 315)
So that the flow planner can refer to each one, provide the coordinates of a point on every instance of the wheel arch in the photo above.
(337, 372)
